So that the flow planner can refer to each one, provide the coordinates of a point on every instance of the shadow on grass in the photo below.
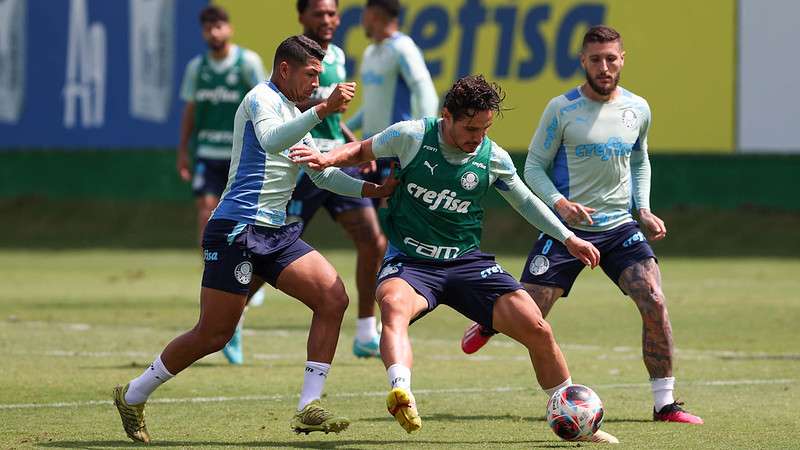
(343, 444)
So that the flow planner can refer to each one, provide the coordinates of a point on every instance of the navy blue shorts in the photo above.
(234, 251)
(210, 176)
(550, 264)
(469, 284)
(307, 198)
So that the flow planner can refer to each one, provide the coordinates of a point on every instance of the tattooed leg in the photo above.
(642, 282)
(544, 296)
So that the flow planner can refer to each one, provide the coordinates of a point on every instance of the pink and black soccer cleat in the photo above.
(674, 413)
(475, 337)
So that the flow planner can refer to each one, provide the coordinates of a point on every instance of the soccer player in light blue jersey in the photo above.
(588, 161)
(248, 236)
(395, 82)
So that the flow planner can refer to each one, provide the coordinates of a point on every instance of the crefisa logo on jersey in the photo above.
(243, 272)
(469, 181)
(629, 118)
(539, 265)
(233, 78)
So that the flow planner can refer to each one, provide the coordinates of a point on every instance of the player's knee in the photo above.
(541, 333)
(213, 341)
(392, 307)
(334, 301)
(652, 300)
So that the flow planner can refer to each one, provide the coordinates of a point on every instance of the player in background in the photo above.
(320, 18)
(213, 86)
(395, 82)
(593, 141)
(247, 235)
(434, 224)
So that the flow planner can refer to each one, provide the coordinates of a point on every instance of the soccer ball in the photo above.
(574, 411)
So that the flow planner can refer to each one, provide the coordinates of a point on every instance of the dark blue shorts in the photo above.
(469, 284)
(307, 198)
(233, 252)
(550, 264)
(210, 176)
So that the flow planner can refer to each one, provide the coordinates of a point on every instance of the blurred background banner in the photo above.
(93, 73)
(680, 55)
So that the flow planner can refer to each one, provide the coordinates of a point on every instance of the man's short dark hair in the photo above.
(298, 50)
(213, 14)
(302, 5)
(472, 94)
(390, 7)
(601, 34)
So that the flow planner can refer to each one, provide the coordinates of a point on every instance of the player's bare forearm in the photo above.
(349, 136)
(187, 126)
(349, 154)
(642, 281)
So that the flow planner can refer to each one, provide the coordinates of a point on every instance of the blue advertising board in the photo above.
(78, 74)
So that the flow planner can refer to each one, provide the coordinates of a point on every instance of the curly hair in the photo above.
(471, 94)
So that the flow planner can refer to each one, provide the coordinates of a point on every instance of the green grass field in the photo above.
(74, 323)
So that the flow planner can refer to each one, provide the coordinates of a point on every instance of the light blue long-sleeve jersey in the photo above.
(395, 86)
(593, 153)
(262, 176)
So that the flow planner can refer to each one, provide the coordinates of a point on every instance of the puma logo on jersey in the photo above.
(446, 199)
(429, 166)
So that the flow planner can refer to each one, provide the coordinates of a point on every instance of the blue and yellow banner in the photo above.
(680, 55)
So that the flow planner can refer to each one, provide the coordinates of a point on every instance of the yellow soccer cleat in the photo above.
(403, 407)
(132, 416)
(600, 436)
(314, 417)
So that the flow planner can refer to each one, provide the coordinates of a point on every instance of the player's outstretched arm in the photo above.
(539, 215)
(350, 154)
(335, 180)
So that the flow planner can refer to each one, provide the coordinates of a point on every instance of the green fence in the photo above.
(717, 181)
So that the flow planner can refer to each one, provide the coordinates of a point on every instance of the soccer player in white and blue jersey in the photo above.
(247, 235)
(588, 161)
(395, 82)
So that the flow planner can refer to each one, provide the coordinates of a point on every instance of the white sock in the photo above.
(662, 391)
(140, 388)
(399, 376)
(313, 382)
(366, 329)
(553, 389)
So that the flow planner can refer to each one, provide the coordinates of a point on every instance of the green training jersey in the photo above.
(328, 133)
(217, 98)
(436, 212)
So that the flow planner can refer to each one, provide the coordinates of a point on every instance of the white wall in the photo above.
(769, 76)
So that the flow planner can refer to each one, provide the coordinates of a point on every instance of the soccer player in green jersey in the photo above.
(588, 161)
(213, 86)
(434, 223)
(320, 19)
